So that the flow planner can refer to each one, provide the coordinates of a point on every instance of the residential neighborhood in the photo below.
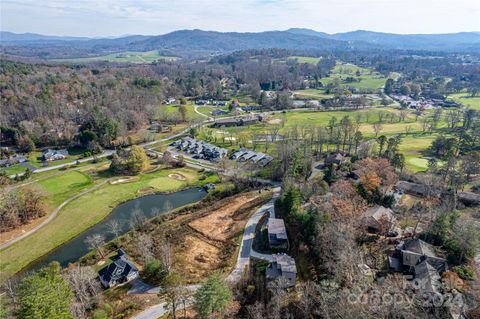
(200, 149)
(276, 159)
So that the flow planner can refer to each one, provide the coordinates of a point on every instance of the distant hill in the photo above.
(230, 41)
(449, 41)
(195, 41)
(10, 37)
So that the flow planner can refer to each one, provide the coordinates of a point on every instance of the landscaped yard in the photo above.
(86, 211)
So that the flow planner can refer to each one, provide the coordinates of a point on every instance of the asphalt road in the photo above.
(246, 252)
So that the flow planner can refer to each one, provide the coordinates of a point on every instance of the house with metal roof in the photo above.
(277, 234)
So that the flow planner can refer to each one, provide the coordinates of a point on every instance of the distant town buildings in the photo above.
(211, 102)
(422, 102)
(238, 121)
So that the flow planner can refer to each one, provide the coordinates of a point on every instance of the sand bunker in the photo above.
(122, 180)
(275, 121)
(178, 177)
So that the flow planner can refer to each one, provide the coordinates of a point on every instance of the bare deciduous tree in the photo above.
(96, 241)
(85, 287)
(144, 245)
(166, 256)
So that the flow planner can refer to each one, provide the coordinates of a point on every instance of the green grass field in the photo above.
(128, 56)
(316, 94)
(412, 148)
(466, 100)
(367, 80)
(58, 188)
(207, 110)
(85, 212)
(305, 59)
(12, 170)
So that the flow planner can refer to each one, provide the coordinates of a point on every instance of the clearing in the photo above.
(127, 56)
(220, 224)
(466, 100)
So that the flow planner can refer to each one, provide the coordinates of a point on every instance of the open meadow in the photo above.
(125, 57)
(466, 100)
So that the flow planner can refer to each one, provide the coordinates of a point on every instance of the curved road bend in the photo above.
(243, 259)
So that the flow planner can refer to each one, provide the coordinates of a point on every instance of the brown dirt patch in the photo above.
(221, 223)
(196, 258)
(275, 121)
(177, 176)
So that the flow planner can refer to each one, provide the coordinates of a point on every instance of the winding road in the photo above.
(245, 253)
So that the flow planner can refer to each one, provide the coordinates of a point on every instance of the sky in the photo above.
(94, 18)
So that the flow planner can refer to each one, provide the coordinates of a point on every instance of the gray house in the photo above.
(121, 270)
(281, 271)
(277, 234)
(54, 155)
(418, 259)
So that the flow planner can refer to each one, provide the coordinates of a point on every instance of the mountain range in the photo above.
(30, 44)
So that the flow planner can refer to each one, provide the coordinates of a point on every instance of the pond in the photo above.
(147, 206)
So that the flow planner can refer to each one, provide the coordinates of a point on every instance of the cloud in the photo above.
(118, 17)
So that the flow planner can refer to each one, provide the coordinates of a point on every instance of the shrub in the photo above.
(464, 271)
(154, 270)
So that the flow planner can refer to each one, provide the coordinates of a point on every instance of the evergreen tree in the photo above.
(45, 294)
(213, 296)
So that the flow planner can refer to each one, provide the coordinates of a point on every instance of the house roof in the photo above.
(420, 247)
(285, 263)
(411, 187)
(118, 269)
(380, 213)
(427, 277)
(277, 226)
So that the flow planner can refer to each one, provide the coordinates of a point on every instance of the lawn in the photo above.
(312, 94)
(367, 116)
(305, 59)
(207, 110)
(466, 100)
(128, 56)
(61, 187)
(85, 212)
(412, 147)
(173, 110)
(12, 170)
(367, 80)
